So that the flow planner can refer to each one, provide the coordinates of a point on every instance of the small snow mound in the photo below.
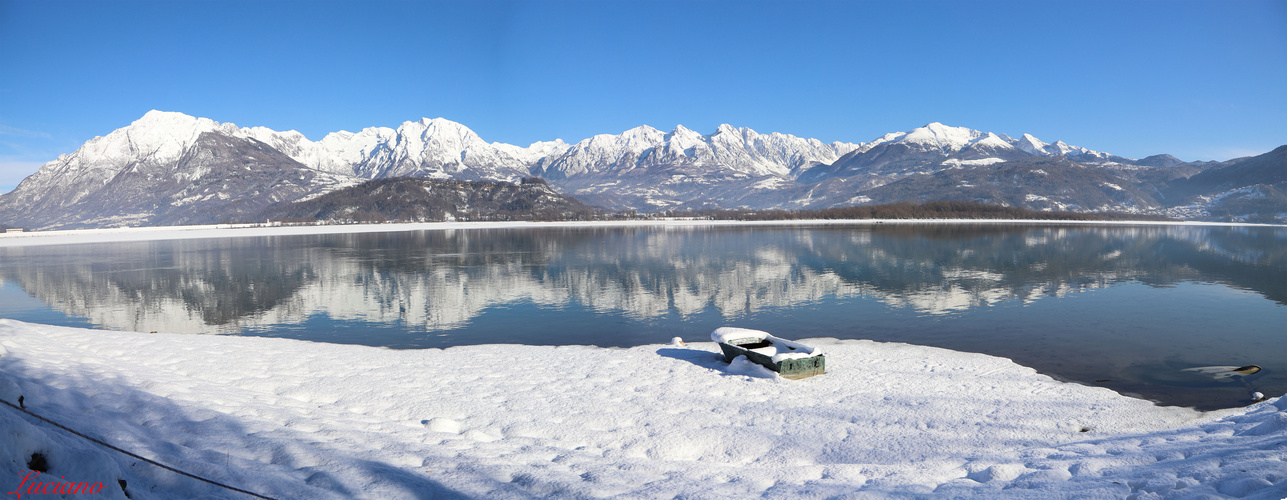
(1242, 487)
(440, 424)
(481, 436)
(742, 366)
(999, 472)
(1273, 423)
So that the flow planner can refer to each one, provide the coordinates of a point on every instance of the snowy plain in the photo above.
(294, 419)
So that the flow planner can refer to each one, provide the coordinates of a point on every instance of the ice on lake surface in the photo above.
(1129, 308)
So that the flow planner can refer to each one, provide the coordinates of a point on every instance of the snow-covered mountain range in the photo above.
(169, 168)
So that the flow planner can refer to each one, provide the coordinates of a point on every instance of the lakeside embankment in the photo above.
(73, 236)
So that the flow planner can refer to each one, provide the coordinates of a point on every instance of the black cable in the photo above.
(153, 462)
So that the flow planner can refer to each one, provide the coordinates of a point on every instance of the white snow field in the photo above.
(294, 419)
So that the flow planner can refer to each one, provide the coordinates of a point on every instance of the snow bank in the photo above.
(292, 419)
(155, 233)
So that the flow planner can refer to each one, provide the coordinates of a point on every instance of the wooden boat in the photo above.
(791, 360)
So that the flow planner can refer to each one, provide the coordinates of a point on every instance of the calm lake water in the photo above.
(1128, 308)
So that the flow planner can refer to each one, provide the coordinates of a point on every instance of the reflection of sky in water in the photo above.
(1125, 306)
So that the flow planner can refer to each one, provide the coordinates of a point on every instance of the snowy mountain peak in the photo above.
(727, 133)
(951, 140)
(636, 139)
(644, 133)
(727, 151)
(157, 116)
(535, 152)
(171, 125)
(265, 132)
(943, 136)
(440, 128)
(159, 135)
(684, 135)
(992, 140)
(1030, 144)
(171, 120)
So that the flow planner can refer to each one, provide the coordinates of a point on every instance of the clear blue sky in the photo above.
(1200, 80)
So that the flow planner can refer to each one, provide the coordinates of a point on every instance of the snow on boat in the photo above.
(791, 360)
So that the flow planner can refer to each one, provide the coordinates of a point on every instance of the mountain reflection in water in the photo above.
(1167, 297)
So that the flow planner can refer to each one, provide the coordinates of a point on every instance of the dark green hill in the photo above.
(1250, 189)
(1268, 169)
(1062, 184)
(418, 199)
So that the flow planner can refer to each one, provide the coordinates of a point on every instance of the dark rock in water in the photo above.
(1247, 370)
(1224, 373)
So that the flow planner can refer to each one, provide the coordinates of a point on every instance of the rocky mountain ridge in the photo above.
(169, 168)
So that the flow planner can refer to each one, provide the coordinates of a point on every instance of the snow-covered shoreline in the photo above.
(74, 236)
(294, 419)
